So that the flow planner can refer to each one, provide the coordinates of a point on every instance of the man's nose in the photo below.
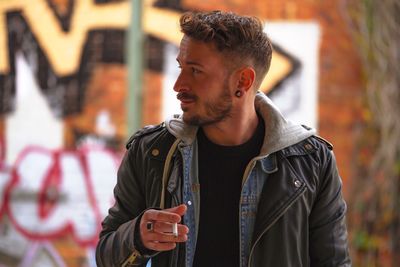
(181, 84)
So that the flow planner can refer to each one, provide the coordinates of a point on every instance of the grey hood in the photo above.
(279, 132)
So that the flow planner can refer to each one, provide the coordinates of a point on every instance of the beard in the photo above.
(215, 110)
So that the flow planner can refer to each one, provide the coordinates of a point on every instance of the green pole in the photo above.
(135, 68)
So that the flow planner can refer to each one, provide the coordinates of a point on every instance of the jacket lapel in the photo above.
(282, 188)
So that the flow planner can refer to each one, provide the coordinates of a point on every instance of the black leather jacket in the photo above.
(296, 225)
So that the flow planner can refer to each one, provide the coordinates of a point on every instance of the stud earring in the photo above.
(238, 93)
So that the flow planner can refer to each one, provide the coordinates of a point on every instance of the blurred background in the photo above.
(78, 77)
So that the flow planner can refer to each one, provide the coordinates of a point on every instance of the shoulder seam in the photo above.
(143, 132)
(326, 142)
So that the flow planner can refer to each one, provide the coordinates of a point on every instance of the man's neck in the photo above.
(234, 130)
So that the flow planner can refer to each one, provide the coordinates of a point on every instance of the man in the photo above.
(230, 182)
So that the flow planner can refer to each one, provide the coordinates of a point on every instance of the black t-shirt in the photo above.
(221, 170)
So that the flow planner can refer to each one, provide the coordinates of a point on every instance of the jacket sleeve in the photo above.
(119, 243)
(328, 233)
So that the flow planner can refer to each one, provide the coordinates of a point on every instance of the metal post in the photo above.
(134, 52)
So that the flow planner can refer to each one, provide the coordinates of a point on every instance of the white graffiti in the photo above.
(50, 193)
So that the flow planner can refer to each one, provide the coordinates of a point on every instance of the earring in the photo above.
(238, 93)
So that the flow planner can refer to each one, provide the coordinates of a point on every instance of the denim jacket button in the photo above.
(308, 146)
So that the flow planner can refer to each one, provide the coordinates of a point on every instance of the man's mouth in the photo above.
(186, 98)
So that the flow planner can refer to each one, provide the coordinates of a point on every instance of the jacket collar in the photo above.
(269, 164)
(279, 132)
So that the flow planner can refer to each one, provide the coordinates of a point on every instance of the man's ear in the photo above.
(247, 77)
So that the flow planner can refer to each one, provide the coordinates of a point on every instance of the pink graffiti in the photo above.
(3, 174)
(48, 194)
(36, 248)
(2, 152)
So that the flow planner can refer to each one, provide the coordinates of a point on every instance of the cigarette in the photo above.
(175, 229)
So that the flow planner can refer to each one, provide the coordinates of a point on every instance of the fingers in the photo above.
(161, 216)
(162, 227)
(167, 237)
(168, 215)
(162, 241)
(167, 228)
(160, 237)
(180, 210)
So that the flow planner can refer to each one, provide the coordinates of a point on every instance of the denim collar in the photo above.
(269, 164)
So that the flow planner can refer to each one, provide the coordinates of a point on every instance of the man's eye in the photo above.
(195, 71)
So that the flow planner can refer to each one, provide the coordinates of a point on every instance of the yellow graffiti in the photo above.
(63, 49)
(4, 64)
(162, 23)
(280, 68)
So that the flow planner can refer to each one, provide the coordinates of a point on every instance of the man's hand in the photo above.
(160, 236)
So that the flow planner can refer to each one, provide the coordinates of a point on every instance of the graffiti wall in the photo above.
(63, 89)
(62, 80)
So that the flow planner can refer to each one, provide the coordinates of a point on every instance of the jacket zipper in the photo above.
(303, 189)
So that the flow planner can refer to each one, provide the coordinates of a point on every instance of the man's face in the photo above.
(203, 86)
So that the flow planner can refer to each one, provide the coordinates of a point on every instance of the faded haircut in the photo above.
(241, 38)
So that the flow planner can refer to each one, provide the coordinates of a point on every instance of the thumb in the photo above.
(180, 210)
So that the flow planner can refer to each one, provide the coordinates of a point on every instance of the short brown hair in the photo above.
(241, 37)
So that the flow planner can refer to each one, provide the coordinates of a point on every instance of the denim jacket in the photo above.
(253, 181)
